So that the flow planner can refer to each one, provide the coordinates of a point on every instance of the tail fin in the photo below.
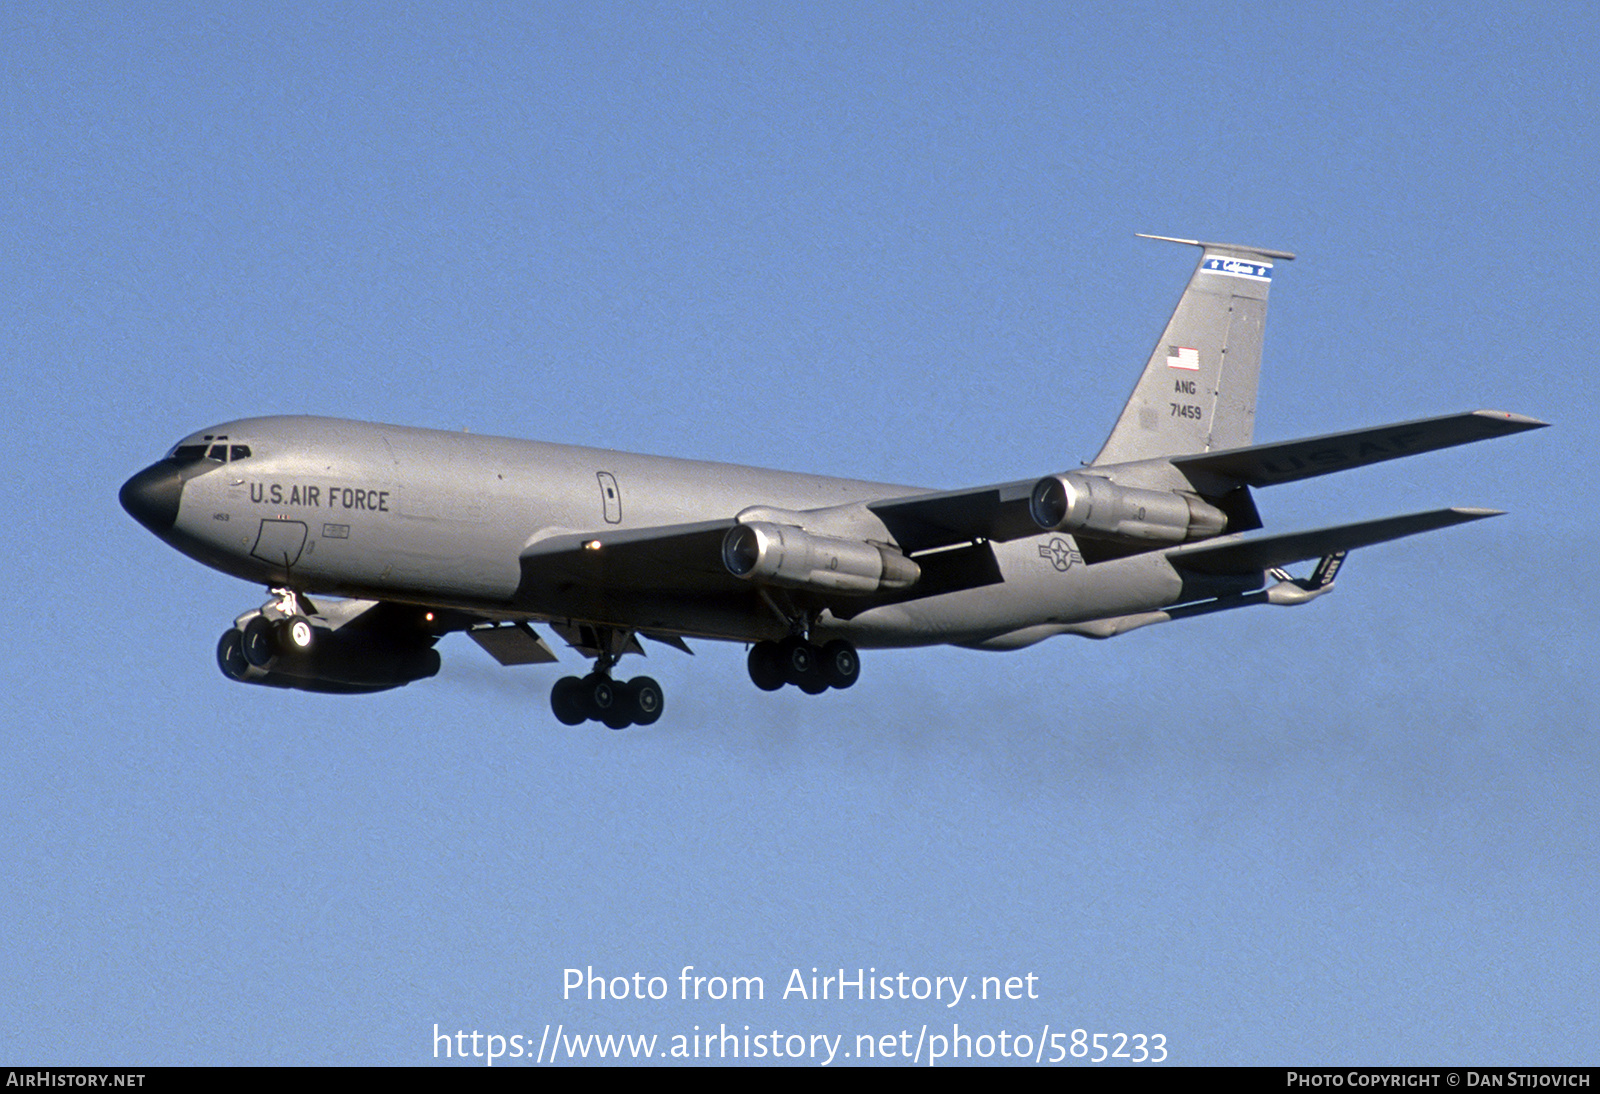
(1198, 391)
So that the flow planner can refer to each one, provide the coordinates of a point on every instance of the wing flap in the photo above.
(513, 643)
(1252, 556)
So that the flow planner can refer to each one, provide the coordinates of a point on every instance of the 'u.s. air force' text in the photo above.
(319, 497)
(855, 985)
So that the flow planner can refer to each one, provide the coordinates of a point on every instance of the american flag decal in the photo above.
(1183, 357)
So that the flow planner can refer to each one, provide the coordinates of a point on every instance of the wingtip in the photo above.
(1513, 422)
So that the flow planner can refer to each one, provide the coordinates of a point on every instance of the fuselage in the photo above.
(421, 516)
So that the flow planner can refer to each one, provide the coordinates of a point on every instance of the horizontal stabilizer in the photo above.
(1289, 461)
(1252, 556)
(1230, 248)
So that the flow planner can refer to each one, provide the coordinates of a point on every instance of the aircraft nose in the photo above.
(151, 497)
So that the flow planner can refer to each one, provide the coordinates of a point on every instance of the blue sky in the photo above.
(890, 242)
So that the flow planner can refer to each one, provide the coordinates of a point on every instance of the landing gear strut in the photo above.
(598, 698)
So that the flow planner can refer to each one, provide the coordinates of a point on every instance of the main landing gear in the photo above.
(638, 702)
(812, 669)
(598, 698)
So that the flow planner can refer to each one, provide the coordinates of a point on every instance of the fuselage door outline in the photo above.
(610, 497)
(280, 541)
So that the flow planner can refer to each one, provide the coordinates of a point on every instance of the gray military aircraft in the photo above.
(377, 540)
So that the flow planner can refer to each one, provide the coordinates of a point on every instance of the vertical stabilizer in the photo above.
(1198, 391)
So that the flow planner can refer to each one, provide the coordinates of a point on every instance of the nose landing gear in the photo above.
(279, 629)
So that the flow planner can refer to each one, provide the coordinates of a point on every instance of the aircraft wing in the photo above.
(924, 521)
(678, 558)
(578, 571)
(1288, 461)
(1251, 556)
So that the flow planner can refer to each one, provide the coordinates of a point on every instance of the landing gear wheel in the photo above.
(644, 700)
(798, 659)
(841, 665)
(815, 683)
(296, 634)
(257, 643)
(230, 655)
(766, 666)
(566, 701)
(599, 694)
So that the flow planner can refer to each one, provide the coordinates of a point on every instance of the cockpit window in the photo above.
(222, 453)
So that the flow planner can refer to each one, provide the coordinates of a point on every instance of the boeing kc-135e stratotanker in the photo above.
(377, 540)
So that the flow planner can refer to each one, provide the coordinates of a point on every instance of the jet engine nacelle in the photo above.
(1098, 507)
(779, 554)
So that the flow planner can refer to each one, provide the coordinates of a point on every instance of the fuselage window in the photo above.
(239, 452)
